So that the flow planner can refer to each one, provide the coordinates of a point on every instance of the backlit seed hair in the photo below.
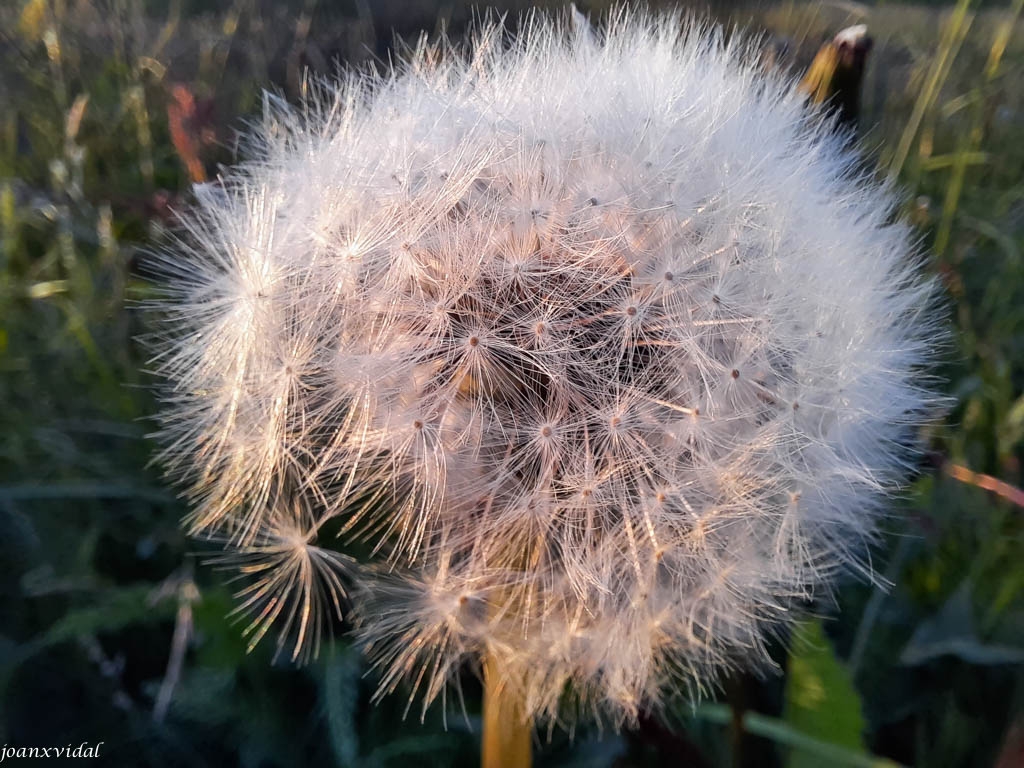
(600, 343)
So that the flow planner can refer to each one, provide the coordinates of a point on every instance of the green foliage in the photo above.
(97, 579)
(821, 701)
(805, 749)
(116, 608)
(339, 691)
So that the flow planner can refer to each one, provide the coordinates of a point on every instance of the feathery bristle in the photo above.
(599, 340)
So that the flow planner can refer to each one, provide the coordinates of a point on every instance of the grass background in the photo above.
(112, 630)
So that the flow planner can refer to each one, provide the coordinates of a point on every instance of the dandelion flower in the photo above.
(600, 343)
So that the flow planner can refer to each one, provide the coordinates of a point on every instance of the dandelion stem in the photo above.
(507, 729)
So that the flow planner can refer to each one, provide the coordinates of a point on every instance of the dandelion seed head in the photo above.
(600, 342)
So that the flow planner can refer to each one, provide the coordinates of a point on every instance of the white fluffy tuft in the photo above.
(598, 340)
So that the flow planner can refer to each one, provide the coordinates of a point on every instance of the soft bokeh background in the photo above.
(112, 630)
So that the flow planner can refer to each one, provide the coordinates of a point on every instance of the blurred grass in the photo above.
(110, 108)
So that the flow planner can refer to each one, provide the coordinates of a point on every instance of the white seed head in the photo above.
(601, 342)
